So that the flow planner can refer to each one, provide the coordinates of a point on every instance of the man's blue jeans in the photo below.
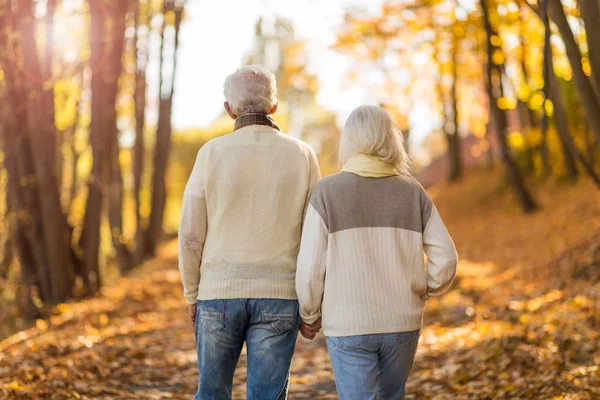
(268, 326)
(369, 367)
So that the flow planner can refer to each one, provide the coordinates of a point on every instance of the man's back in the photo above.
(239, 237)
(255, 183)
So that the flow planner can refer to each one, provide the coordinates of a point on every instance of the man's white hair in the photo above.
(371, 130)
(251, 89)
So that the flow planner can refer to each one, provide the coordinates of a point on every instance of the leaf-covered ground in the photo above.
(521, 322)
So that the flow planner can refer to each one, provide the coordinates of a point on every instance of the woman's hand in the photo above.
(309, 331)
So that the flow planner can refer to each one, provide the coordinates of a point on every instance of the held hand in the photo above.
(192, 314)
(309, 331)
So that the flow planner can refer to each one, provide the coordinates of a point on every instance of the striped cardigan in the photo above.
(361, 262)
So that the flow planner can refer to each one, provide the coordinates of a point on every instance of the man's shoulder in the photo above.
(219, 140)
(292, 141)
(214, 143)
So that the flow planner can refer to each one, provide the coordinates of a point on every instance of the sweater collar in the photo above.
(255, 119)
(369, 166)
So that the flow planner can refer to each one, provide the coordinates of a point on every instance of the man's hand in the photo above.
(309, 331)
(192, 313)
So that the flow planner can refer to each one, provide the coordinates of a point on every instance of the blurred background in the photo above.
(105, 103)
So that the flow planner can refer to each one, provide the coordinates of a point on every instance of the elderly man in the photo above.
(238, 241)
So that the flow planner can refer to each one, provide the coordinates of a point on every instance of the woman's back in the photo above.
(376, 230)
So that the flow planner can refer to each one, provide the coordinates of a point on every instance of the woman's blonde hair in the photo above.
(371, 130)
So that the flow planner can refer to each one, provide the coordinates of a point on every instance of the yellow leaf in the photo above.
(496, 41)
(498, 57)
(516, 140)
(536, 101)
(585, 64)
(505, 103)
(14, 385)
(41, 324)
(549, 107)
(524, 318)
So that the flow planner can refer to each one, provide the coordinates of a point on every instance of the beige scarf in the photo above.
(369, 166)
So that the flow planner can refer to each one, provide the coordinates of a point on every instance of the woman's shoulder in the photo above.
(331, 182)
(347, 182)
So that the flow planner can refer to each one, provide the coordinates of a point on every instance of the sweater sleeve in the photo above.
(314, 175)
(441, 255)
(310, 272)
(192, 230)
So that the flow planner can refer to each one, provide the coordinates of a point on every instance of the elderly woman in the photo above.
(361, 262)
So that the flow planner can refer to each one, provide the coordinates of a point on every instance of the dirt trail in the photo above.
(521, 322)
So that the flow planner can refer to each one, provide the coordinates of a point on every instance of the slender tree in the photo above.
(493, 85)
(590, 12)
(112, 72)
(107, 35)
(41, 132)
(552, 88)
(552, 92)
(560, 120)
(142, 18)
(163, 132)
(453, 138)
(42, 235)
(587, 95)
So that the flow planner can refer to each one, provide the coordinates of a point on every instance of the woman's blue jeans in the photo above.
(368, 367)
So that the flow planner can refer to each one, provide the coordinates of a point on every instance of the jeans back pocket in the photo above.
(212, 314)
(281, 315)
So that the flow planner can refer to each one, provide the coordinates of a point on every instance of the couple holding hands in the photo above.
(267, 248)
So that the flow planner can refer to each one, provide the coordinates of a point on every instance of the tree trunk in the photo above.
(45, 76)
(22, 192)
(163, 140)
(90, 237)
(115, 211)
(21, 195)
(560, 120)
(591, 146)
(547, 55)
(450, 121)
(499, 118)
(107, 35)
(570, 152)
(70, 138)
(590, 12)
(531, 116)
(112, 72)
(141, 57)
(552, 92)
(587, 95)
(527, 118)
(56, 233)
(453, 138)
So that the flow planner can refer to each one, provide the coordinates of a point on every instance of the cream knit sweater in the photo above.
(242, 215)
(361, 262)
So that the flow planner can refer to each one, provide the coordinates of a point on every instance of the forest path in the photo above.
(508, 329)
